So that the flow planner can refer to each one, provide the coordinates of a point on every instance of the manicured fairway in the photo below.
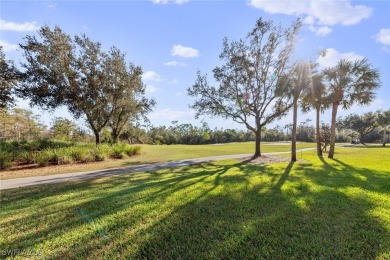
(317, 208)
(178, 152)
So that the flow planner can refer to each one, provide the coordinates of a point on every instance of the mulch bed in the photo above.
(266, 159)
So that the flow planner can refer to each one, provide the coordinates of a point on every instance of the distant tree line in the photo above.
(368, 127)
(23, 125)
(19, 124)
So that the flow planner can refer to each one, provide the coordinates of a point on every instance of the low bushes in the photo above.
(5, 160)
(44, 153)
(123, 150)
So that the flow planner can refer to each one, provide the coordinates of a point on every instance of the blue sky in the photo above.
(173, 39)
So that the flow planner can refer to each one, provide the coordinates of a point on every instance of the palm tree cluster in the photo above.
(345, 84)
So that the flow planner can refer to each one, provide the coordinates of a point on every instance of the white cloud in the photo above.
(332, 56)
(50, 4)
(151, 76)
(8, 46)
(19, 27)
(323, 30)
(181, 1)
(151, 89)
(320, 31)
(169, 114)
(318, 12)
(309, 20)
(383, 36)
(179, 94)
(160, 1)
(182, 51)
(164, 2)
(175, 64)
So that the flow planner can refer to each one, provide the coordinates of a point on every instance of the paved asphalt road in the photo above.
(57, 178)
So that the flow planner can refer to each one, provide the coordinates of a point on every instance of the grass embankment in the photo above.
(320, 208)
(157, 153)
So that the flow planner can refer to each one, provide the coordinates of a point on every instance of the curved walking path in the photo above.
(58, 178)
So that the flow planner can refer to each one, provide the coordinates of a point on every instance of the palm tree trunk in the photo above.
(333, 131)
(318, 134)
(294, 133)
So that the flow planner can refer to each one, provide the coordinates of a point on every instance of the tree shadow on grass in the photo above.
(205, 211)
(268, 222)
(108, 197)
(284, 176)
(340, 174)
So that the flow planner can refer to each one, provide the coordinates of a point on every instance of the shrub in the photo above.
(51, 154)
(43, 159)
(132, 150)
(78, 153)
(122, 155)
(45, 152)
(5, 161)
(59, 156)
(101, 152)
(33, 146)
(99, 156)
(118, 151)
(64, 159)
(89, 156)
(124, 150)
(23, 157)
(137, 150)
(129, 150)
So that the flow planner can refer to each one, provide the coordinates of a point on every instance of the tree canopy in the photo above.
(75, 72)
(252, 87)
(349, 83)
(363, 124)
(9, 77)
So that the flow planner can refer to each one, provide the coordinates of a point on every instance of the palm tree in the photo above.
(349, 83)
(316, 98)
(299, 82)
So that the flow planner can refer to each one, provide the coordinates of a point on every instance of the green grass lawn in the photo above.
(159, 153)
(317, 208)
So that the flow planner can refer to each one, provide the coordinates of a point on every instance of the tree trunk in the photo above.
(318, 134)
(294, 133)
(384, 137)
(97, 138)
(258, 140)
(115, 139)
(361, 138)
(115, 136)
(333, 131)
